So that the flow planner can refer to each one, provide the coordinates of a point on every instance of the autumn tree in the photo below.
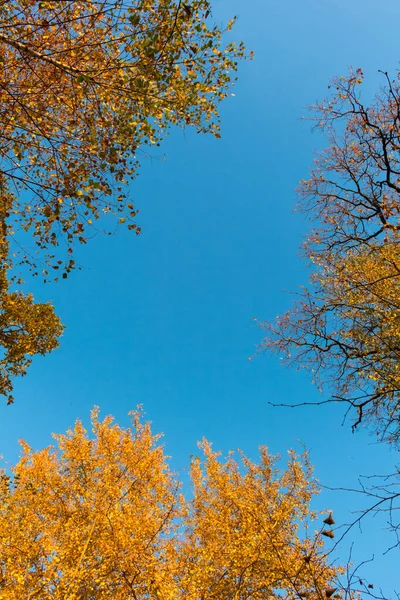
(345, 326)
(85, 85)
(103, 516)
(26, 328)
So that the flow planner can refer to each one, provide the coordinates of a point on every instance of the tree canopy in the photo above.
(103, 516)
(26, 328)
(84, 87)
(346, 326)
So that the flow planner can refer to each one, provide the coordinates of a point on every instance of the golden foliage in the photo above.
(345, 328)
(246, 531)
(26, 328)
(104, 517)
(85, 85)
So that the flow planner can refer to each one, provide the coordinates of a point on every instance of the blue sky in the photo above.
(166, 320)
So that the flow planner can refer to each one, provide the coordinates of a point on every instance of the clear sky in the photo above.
(166, 320)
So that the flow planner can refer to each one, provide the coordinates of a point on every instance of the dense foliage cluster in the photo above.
(103, 516)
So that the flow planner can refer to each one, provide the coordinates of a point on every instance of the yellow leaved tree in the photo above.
(345, 328)
(26, 328)
(84, 86)
(103, 516)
